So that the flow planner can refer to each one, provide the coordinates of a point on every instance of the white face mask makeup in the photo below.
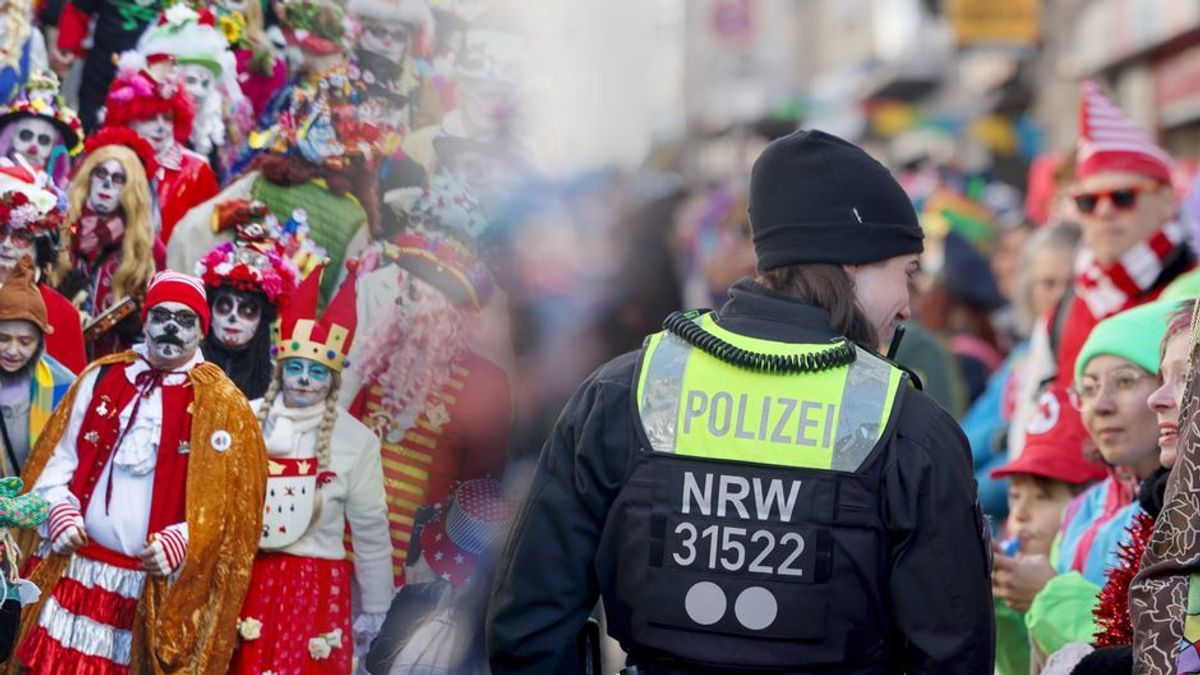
(198, 81)
(34, 139)
(158, 131)
(388, 39)
(172, 335)
(106, 184)
(236, 318)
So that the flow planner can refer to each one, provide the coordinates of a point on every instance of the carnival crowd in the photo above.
(288, 311)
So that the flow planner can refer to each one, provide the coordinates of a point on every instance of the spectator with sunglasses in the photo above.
(1133, 244)
(1116, 372)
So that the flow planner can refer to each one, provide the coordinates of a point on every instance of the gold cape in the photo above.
(189, 626)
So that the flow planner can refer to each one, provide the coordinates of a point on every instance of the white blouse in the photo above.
(122, 526)
(355, 494)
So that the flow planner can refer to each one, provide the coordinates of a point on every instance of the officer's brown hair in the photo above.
(830, 288)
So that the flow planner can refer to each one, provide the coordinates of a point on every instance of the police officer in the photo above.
(757, 489)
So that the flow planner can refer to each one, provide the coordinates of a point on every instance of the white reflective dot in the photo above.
(705, 603)
(756, 608)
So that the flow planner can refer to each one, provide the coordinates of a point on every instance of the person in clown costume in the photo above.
(29, 231)
(247, 279)
(109, 250)
(324, 472)
(155, 472)
(40, 127)
(486, 71)
(320, 158)
(441, 409)
(159, 108)
(187, 44)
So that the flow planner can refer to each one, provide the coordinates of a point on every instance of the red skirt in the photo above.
(85, 626)
(296, 618)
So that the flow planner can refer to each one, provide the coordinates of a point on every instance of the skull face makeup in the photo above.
(198, 81)
(389, 39)
(34, 139)
(172, 335)
(236, 317)
(158, 131)
(19, 342)
(305, 383)
(105, 186)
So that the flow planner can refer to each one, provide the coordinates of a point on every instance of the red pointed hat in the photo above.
(1110, 141)
(326, 341)
(1055, 439)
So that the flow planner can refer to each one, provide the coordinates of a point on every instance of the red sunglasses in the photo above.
(1122, 198)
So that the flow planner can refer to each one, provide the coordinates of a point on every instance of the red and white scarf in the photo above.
(1108, 289)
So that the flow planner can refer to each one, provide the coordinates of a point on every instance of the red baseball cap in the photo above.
(1054, 443)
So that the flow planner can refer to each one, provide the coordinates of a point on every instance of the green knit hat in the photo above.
(1133, 335)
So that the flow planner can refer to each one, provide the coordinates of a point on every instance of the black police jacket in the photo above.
(938, 592)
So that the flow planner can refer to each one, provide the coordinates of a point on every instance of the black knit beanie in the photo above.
(815, 198)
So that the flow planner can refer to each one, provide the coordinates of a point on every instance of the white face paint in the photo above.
(105, 185)
(236, 317)
(172, 335)
(34, 139)
(388, 39)
(198, 81)
(158, 131)
(305, 383)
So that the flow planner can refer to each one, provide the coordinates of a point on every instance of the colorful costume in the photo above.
(1110, 142)
(257, 269)
(184, 178)
(131, 459)
(317, 147)
(201, 60)
(296, 618)
(38, 228)
(442, 411)
(29, 395)
(99, 248)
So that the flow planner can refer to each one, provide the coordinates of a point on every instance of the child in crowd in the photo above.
(1116, 371)
(1050, 471)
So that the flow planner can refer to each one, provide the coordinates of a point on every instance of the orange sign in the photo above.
(979, 22)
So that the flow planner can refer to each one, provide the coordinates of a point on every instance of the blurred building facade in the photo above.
(982, 84)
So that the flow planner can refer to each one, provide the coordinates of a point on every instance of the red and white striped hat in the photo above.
(1110, 141)
(182, 288)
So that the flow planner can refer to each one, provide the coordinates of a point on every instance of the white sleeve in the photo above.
(366, 509)
(55, 479)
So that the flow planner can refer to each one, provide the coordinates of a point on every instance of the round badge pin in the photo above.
(221, 440)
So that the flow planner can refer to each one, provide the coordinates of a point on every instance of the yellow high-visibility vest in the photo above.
(693, 403)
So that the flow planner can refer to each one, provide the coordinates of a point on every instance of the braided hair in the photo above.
(328, 420)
